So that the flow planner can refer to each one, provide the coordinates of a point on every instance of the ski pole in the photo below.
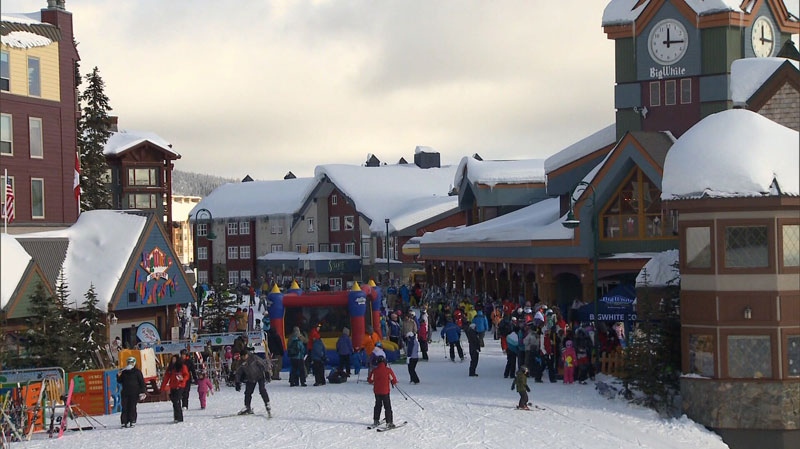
(407, 396)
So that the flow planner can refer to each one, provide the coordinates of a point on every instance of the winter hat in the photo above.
(131, 361)
(346, 331)
(378, 345)
(569, 343)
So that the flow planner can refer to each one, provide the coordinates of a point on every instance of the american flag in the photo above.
(8, 210)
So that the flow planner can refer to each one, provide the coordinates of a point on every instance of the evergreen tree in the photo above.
(67, 331)
(42, 343)
(92, 332)
(652, 359)
(217, 310)
(94, 129)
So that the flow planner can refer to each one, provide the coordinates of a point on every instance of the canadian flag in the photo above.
(76, 183)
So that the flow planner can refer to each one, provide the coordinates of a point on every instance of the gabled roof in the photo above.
(750, 75)
(124, 140)
(14, 262)
(405, 194)
(256, 198)
(733, 153)
(492, 173)
(49, 253)
(27, 31)
(587, 145)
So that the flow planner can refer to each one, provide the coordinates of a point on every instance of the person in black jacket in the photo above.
(187, 360)
(276, 351)
(131, 381)
(474, 348)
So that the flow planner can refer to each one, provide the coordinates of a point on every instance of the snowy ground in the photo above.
(459, 412)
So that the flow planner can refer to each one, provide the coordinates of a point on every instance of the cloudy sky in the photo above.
(265, 87)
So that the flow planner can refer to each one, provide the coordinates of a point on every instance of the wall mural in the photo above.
(152, 280)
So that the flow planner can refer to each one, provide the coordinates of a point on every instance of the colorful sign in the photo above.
(153, 267)
(156, 263)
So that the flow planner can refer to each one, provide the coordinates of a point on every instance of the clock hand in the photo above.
(763, 39)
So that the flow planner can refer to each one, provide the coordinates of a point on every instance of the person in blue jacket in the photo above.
(452, 335)
(296, 350)
(481, 325)
(318, 359)
(344, 347)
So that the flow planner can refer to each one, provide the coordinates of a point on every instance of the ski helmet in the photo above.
(131, 361)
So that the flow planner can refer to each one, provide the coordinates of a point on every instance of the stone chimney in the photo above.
(113, 123)
(426, 157)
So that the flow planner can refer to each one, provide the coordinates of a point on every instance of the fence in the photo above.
(613, 363)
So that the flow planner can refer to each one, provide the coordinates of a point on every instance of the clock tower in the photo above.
(673, 57)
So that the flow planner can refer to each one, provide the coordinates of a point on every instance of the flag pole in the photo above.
(5, 206)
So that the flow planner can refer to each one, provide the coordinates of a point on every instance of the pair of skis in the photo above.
(382, 428)
(532, 408)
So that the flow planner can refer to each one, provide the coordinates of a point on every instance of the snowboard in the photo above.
(385, 429)
(66, 408)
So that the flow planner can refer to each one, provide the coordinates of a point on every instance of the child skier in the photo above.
(521, 383)
(382, 377)
(204, 389)
(569, 359)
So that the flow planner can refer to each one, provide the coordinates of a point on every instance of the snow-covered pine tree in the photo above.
(42, 339)
(217, 310)
(94, 129)
(92, 331)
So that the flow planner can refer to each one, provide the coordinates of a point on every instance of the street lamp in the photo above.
(388, 269)
(203, 216)
(571, 223)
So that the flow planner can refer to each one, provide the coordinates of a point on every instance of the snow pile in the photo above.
(661, 271)
(459, 411)
(24, 39)
(492, 173)
(623, 12)
(257, 198)
(749, 74)
(123, 140)
(734, 153)
(14, 261)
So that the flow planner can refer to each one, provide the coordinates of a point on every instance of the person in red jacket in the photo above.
(175, 382)
(382, 378)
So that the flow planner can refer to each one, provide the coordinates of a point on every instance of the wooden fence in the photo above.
(613, 363)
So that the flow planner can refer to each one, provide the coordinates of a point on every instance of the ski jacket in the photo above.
(409, 325)
(131, 381)
(313, 335)
(252, 370)
(175, 378)
(569, 357)
(318, 350)
(451, 332)
(275, 343)
(423, 331)
(531, 341)
(204, 385)
(382, 378)
(296, 349)
(473, 339)
(481, 323)
(521, 381)
(412, 348)
(344, 345)
(369, 342)
(394, 328)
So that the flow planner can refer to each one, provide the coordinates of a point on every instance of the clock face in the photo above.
(762, 35)
(668, 41)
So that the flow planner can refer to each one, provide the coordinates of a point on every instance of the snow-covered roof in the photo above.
(734, 153)
(492, 173)
(289, 255)
(403, 193)
(13, 262)
(540, 221)
(100, 244)
(33, 18)
(182, 209)
(623, 12)
(660, 271)
(256, 198)
(749, 74)
(581, 148)
(123, 140)
(24, 39)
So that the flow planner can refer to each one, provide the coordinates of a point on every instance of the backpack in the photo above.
(504, 327)
(295, 348)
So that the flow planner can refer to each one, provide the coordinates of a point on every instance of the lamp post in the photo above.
(203, 216)
(571, 223)
(388, 269)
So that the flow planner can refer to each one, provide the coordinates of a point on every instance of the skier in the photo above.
(131, 381)
(474, 341)
(382, 377)
(453, 333)
(521, 384)
(412, 350)
(175, 381)
(422, 336)
(253, 370)
(187, 361)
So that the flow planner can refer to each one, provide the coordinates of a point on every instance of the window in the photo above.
(310, 248)
(334, 200)
(655, 93)
(635, 211)
(202, 277)
(244, 228)
(670, 94)
(142, 177)
(276, 228)
(749, 356)
(686, 91)
(244, 252)
(365, 249)
(142, 201)
(5, 72)
(202, 253)
(37, 198)
(334, 223)
(35, 131)
(746, 247)
(310, 222)
(233, 277)
(350, 248)
(34, 77)
(233, 252)
(698, 247)
(336, 248)
(6, 135)
(324, 248)
(793, 355)
(298, 248)
(276, 248)
(106, 177)
(202, 229)
(348, 223)
(233, 228)
(244, 275)
(790, 240)
(3, 194)
(701, 355)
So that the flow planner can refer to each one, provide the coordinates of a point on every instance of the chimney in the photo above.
(426, 157)
(113, 122)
